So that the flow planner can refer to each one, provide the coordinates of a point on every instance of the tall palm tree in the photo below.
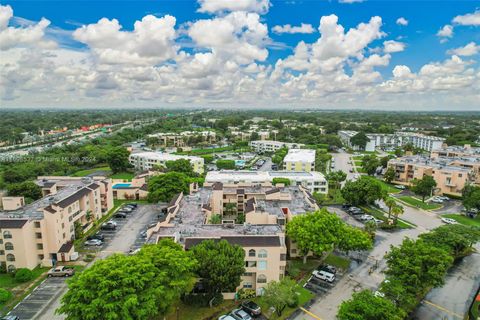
(390, 203)
(397, 210)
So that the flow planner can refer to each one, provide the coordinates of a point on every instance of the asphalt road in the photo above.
(453, 299)
(341, 163)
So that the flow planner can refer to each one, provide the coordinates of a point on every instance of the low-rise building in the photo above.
(455, 152)
(312, 181)
(391, 141)
(450, 174)
(299, 160)
(42, 232)
(272, 146)
(144, 161)
(253, 218)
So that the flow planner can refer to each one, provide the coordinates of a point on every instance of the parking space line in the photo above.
(310, 314)
(443, 309)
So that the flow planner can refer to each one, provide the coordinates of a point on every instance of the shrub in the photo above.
(23, 275)
(246, 294)
(5, 295)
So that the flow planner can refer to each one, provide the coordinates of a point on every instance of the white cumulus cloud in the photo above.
(402, 21)
(468, 50)
(303, 28)
(213, 6)
(470, 19)
(391, 46)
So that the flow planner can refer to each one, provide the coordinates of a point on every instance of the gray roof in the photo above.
(244, 241)
(12, 223)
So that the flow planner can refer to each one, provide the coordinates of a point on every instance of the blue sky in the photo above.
(421, 43)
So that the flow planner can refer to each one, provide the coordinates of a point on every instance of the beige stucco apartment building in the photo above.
(252, 217)
(41, 233)
(450, 174)
(299, 160)
(144, 161)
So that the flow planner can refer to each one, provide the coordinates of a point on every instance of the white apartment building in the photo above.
(144, 161)
(312, 181)
(272, 146)
(299, 160)
(397, 139)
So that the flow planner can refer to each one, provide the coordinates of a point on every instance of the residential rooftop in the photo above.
(300, 155)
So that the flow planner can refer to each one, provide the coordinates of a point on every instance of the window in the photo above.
(294, 251)
(250, 264)
(39, 246)
(248, 274)
(11, 268)
(247, 285)
(262, 253)
(10, 257)
(41, 257)
(2, 253)
(283, 257)
(251, 253)
(7, 235)
(8, 246)
(261, 278)
(262, 265)
(38, 235)
(37, 224)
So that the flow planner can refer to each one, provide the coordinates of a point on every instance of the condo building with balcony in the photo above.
(42, 232)
(261, 146)
(144, 161)
(299, 160)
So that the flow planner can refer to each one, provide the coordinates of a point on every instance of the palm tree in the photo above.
(397, 210)
(390, 203)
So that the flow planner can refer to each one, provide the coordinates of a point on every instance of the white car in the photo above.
(400, 187)
(366, 217)
(93, 242)
(324, 275)
(240, 314)
(226, 317)
(449, 221)
(437, 200)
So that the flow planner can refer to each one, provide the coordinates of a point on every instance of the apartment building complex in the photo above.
(265, 211)
(170, 139)
(144, 161)
(391, 141)
(455, 152)
(272, 146)
(42, 232)
(312, 181)
(450, 174)
(299, 160)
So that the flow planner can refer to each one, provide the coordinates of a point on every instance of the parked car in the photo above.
(240, 314)
(110, 225)
(226, 317)
(378, 221)
(97, 236)
(449, 221)
(323, 275)
(436, 200)
(346, 206)
(93, 242)
(126, 209)
(327, 268)
(365, 217)
(400, 187)
(143, 234)
(132, 204)
(121, 215)
(11, 317)
(61, 271)
(251, 308)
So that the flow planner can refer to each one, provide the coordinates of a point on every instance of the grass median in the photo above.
(475, 222)
(417, 203)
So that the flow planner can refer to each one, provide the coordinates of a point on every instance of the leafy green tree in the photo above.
(396, 211)
(370, 228)
(365, 306)
(207, 158)
(370, 163)
(225, 164)
(360, 140)
(389, 175)
(27, 189)
(280, 294)
(141, 286)
(363, 191)
(424, 187)
(456, 238)
(5, 295)
(418, 264)
(220, 265)
(254, 136)
(321, 231)
(285, 181)
(471, 197)
(117, 159)
(390, 203)
(215, 219)
(335, 178)
(322, 158)
(180, 165)
(78, 229)
(278, 156)
(163, 187)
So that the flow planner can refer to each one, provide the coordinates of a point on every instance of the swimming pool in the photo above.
(121, 185)
(240, 163)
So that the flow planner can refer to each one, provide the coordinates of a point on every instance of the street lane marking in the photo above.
(310, 314)
(443, 309)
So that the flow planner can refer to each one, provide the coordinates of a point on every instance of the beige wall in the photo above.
(24, 247)
(12, 203)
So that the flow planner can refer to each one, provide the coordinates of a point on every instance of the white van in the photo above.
(324, 275)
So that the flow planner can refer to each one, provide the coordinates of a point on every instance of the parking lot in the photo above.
(45, 299)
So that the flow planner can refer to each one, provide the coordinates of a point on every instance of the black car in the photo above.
(108, 226)
(97, 236)
(134, 205)
(327, 268)
(121, 215)
(346, 206)
(251, 308)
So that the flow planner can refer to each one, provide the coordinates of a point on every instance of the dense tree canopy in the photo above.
(370, 163)
(163, 187)
(424, 187)
(180, 165)
(27, 189)
(471, 197)
(365, 306)
(360, 140)
(117, 159)
(363, 191)
(280, 294)
(140, 286)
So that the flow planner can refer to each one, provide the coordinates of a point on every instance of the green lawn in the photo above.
(381, 215)
(7, 281)
(414, 202)
(339, 262)
(83, 173)
(464, 219)
(123, 175)
(389, 188)
(358, 163)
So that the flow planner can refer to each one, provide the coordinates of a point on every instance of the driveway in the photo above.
(43, 302)
(360, 276)
(341, 163)
(453, 299)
